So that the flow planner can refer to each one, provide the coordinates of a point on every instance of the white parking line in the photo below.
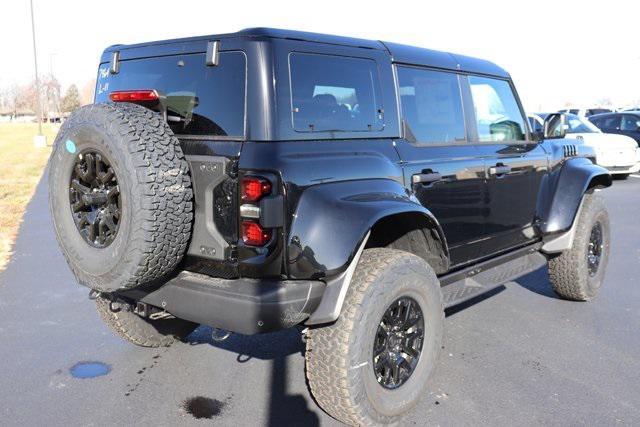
(634, 176)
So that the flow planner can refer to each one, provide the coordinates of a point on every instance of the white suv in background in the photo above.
(618, 153)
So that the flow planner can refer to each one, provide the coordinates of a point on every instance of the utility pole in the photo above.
(38, 140)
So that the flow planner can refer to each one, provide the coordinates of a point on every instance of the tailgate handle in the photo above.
(426, 178)
(499, 169)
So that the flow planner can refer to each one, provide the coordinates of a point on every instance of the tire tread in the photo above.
(327, 355)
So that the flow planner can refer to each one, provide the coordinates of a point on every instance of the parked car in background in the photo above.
(624, 123)
(585, 112)
(618, 153)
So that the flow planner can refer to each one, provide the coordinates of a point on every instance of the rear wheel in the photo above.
(372, 365)
(577, 274)
(121, 319)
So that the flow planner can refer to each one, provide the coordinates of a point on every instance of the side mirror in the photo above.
(555, 126)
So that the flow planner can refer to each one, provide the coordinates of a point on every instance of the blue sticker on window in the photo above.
(71, 146)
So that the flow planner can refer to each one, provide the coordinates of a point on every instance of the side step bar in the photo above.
(468, 283)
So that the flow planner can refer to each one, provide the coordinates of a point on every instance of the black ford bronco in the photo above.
(265, 179)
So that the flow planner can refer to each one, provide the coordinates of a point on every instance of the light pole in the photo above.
(39, 140)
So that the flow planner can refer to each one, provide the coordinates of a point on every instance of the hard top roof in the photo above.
(398, 52)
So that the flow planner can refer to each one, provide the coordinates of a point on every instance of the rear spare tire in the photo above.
(120, 196)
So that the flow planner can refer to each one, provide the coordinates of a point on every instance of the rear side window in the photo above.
(334, 93)
(431, 105)
(200, 100)
(497, 113)
(610, 123)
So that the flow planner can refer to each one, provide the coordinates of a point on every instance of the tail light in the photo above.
(134, 96)
(254, 188)
(254, 235)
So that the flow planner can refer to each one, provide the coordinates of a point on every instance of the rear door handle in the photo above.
(499, 169)
(426, 178)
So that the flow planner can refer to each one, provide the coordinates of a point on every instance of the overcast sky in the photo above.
(556, 51)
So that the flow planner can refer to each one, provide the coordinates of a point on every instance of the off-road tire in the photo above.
(155, 190)
(144, 332)
(339, 356)
(569, 272)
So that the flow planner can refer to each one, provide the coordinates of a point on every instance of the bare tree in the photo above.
(26, 98)
(51, 95)
(12, 94)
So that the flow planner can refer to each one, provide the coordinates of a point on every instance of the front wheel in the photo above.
(577, 274)
(372, 365)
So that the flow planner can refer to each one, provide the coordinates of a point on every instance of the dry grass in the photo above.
(21, 166)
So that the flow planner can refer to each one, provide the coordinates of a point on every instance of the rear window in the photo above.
(200, 100)
(334, 93)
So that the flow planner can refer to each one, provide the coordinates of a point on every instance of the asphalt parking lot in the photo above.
(520, 356)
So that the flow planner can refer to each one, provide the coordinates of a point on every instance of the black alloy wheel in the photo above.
(398, 343)
(594, 250)
(94, 197)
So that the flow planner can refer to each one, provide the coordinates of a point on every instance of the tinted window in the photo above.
(431, 105)
(630, 122)
(333, 93)
(200, 100)
(610, 123)
(597, 121)
(574, 111)
(497, 113)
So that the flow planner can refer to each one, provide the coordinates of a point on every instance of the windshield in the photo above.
(580, 125)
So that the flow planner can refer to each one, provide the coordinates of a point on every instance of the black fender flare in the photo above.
(562, 191)
(331, 220)
(330, 228)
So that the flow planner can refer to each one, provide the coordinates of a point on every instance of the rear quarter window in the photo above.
(334, 93)
(200, 100)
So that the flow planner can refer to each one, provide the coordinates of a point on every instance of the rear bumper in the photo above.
(245, 306)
